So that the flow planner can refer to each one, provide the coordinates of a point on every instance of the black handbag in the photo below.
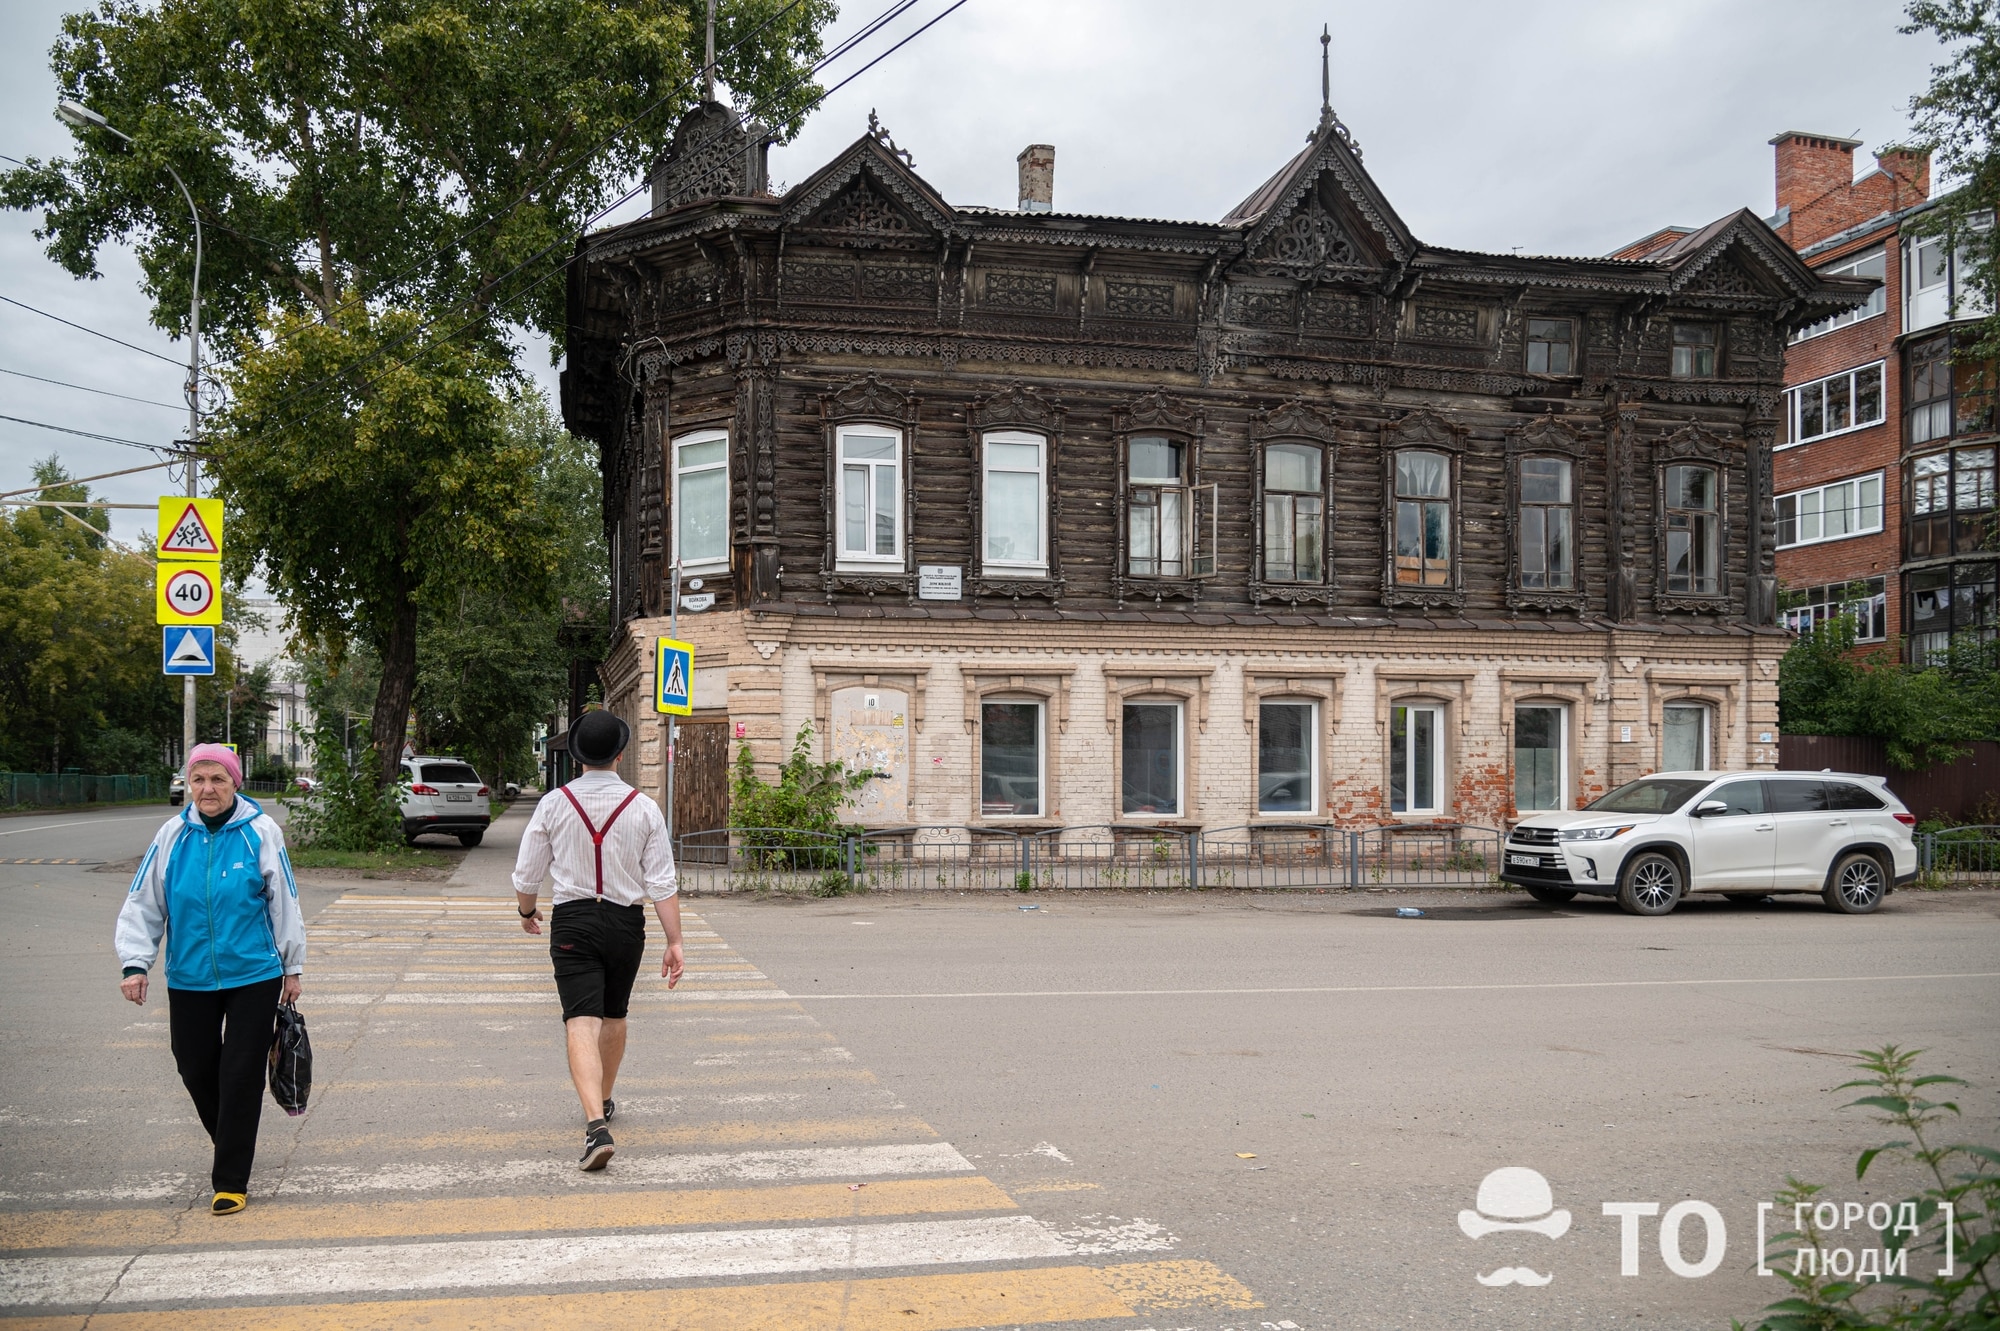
(291, 1062)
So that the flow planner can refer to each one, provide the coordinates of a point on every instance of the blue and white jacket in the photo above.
(225, 900)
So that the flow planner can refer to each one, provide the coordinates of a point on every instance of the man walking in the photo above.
(606, 848)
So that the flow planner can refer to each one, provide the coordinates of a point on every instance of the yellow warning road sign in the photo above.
(190, 529)
(187, 594)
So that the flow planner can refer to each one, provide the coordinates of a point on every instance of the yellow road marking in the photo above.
(909, 1303)
(798, 1131)
(301, 1222)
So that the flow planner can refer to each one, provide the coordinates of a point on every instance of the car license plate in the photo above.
(1534, 861)
(463, 799)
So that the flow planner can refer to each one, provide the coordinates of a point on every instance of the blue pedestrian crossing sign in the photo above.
(673, 678)
(187, 649)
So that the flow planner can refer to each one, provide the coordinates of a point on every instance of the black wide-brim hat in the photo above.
(599, 737)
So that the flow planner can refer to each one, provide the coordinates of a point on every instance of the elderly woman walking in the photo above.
(217, 882)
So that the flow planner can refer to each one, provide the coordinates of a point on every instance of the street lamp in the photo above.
(82, 117)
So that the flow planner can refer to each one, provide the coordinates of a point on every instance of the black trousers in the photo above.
(222, 1045)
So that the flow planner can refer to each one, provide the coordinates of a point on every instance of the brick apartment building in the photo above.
(1059, 520)
(1884, 465)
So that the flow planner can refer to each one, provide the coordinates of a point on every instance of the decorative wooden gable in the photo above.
(868, 198)
(1322, 216)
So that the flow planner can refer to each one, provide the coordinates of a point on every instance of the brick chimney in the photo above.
(1912, 171)
(1811, 166)
(1038, 178)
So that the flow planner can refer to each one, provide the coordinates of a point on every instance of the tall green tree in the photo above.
(1957, 119)
(410, 152)
(493, 664)
(411, 491)
(80, 681)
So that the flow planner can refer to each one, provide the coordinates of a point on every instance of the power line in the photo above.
(81, 388)
(87, 434)
(92, 331)
(83, 480)
(895, 10)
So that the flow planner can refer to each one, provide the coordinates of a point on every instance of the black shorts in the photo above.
(597, 948)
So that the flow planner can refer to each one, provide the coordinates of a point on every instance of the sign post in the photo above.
(673, 687)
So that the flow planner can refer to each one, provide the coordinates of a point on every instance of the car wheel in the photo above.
(470, 839)
(1554, 896)
(1856, 885)
(1650, 884)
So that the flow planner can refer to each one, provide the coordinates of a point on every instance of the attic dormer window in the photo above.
(1694, 351)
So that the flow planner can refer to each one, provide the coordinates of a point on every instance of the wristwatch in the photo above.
(528, 913)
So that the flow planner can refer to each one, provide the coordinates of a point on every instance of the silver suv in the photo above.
(1745, 834)
(444, 795)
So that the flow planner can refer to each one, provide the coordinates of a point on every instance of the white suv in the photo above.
(1747, 834)
(444, 795)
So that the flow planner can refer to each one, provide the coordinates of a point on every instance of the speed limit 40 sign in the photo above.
(187, 594)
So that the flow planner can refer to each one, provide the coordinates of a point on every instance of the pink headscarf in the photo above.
(217, 753)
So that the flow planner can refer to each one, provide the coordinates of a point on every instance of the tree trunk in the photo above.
(392, 700)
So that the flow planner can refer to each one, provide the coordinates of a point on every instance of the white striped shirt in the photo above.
(638, 862)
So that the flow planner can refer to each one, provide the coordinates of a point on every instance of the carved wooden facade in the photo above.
(1309, 316)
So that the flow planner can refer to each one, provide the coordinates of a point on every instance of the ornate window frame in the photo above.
(1292, 422)
(1545, 436)
(868, 401)
(1315, 684)
(1186, 686)
(1573, 690)
(1692, 445)
(1451, 692)
(1423, 431)
(1157, 413)
(1721, 694)
(1025, 410)
(1047, 685)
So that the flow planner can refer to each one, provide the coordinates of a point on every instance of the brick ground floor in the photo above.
(1038, 724)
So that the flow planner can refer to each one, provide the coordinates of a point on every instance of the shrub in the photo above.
(347, 811)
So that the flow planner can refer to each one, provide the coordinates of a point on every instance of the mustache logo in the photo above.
(1515, 1275)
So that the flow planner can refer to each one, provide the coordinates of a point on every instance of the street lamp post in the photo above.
(81, 116)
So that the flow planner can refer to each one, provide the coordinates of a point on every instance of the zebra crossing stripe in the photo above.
(935, 1302)
(298, 1222)
(492, 1264)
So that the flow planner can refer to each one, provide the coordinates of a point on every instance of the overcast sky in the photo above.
(1557, 128)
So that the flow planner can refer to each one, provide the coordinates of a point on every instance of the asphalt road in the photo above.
(1107, 1113)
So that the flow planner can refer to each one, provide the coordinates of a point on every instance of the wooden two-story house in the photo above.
(1064, 520)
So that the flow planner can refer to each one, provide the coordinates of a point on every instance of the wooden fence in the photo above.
(1966, 791)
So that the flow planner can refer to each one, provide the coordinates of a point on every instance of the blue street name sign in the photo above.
(187, 649)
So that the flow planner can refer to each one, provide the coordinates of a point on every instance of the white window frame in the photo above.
(1312, 758)
(1436, 806)
(1878, 303)
(1812, 501)
(1868, 611)
(676, 444)
(1707, 754)
(1794, 397)
(1039, 566)
(1562, 751)
(1041, 756)
(854, 559)
(1180, 756)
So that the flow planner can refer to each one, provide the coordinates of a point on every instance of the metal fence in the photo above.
(964, 858)
(1960, 857)
(48, 789)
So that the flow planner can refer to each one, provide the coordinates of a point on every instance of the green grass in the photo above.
(379, 861)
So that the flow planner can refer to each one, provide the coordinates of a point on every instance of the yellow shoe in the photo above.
(228, 1203)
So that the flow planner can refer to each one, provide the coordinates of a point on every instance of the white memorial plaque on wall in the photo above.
(939, 582)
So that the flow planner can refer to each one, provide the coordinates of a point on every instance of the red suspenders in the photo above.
(597, 837)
